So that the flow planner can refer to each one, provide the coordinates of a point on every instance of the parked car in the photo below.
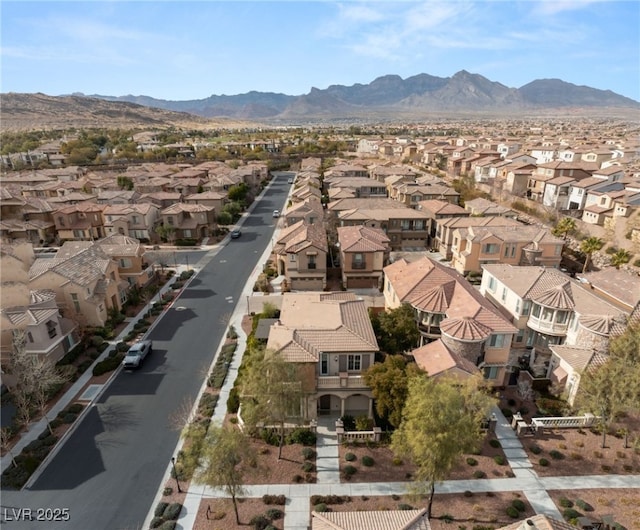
(136, 354)
(235, 233)
(276, 213)
(290, 181)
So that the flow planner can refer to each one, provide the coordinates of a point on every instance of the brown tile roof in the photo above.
(84, 267)
(437, 206)
(362, 239)
(311, 323)
(371, 520)
(374, 204)
(579, 358)
(465, 328)
(418, 282)
(299, 236)
(540, 522)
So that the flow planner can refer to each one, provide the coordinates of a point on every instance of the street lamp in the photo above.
(175, 473)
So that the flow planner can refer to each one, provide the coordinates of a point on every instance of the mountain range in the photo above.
(420, 94)
(387, 98)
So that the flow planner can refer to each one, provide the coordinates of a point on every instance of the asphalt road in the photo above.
(109, 470)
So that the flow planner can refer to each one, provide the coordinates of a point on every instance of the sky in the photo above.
(192, 50)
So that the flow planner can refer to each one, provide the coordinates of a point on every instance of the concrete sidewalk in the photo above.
(72, 394)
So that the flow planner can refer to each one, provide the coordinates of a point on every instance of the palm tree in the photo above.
(589, 246)
(621, 257)
(565, 226)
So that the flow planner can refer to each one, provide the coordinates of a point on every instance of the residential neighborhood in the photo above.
(502, 265)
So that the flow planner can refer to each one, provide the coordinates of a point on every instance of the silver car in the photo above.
(136, 354)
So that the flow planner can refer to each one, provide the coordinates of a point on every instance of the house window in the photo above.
(125, 263)
(418, 225)
(405, 224)
(324, 363)
(536, 311)
(76, 303)
(518, 306)
(561, 317)
(135, 219)
(490, 248)
(547, 314)
(520, 335)
(61, 221)
(311, 262)
(491, 372)
(51, 328)
(170, 220)
(186, 233)
(496, 341)
(358, 261)
(503, 297)
(492, 284)
(354, 362)
(292, 258)
(29, 336)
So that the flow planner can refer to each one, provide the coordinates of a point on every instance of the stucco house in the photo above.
(330, 335)
(363, 254)
(301, 251)
(450, 310)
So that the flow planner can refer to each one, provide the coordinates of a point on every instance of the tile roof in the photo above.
(466, 329)
(314, 322)
(299, 236)
(549, 285)
(539, 522)
(84, 267)
(579, 358)
(433, 287)
(362, 239)
(619, 284)
(374, 204)
(371, 520)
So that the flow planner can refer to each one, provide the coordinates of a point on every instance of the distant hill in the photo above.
(386, 98)
(21, 112)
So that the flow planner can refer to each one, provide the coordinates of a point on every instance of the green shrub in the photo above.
(172, 512)
(96, 340)
(75, 408)
(274, 514)
(348, 422)
(68, 417)
(308, 467)
(160, 508)
(499, 459)
(583, 505)
(556, 455)
(350, 457)
(156, 522)
(397, 461)
(367, 461)
(479, 474)
(308, 453)
(403, 506)
(544, 462)
(447, 518)
(302, 436)
(107, 365)
(279, 500)
(508, 413)
(536, 450)
(570, 514)
(270, 437)
(259, 522)
(494, 443)
(321, 508)
(472, 461)
(512, 512)
(233, 402)
(364, 423)
(468, 493)
(519, 505)
(349, 471)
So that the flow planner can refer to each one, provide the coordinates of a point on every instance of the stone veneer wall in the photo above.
(585, 338)
(469, 350)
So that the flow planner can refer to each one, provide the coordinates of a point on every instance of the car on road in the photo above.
(290, 181)
(276, 213)
(235, 233)
(136, 354)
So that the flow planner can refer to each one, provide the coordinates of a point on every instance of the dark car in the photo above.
(235, 233)
(136, 354)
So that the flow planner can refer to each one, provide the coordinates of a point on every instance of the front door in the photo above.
(324, 404)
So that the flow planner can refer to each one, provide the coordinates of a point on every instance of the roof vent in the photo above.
(530, 523)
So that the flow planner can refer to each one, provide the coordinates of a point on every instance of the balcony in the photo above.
(358, 265)
(547, 326)
(340, 381)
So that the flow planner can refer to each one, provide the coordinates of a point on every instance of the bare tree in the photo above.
(182, 415)
(46, 377)
(5, 443)
(525, 390)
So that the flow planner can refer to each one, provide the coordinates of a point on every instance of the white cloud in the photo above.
(552, 7)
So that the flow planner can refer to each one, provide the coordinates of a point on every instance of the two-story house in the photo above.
(80, 222)
(363, 187)
(189, 221)
(133, 220)
(548, 308)
(450, 313)
(301, 251)
(330, 335)
(437, 210)
(129, 254)
(363, 254)
(518, 245)
(85, 279)
(309, 211)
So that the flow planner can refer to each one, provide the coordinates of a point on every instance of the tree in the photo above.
(225, 458)
(166, 232)
(621, 257)
(238, 193)
(440, 422)
(614, 387)
(124, 182)
(46, 379)
(396, 330)
(565, 226)
(272, 392)
(389, 385)
(224, 218)
(5, 443)
(589, 246)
